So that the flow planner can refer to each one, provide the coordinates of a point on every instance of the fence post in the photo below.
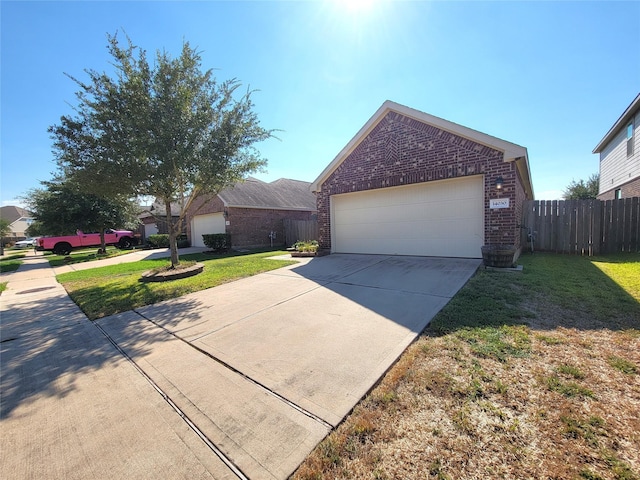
(596, 229)
(635, 225)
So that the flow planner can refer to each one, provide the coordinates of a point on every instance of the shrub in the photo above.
(183, 241)
(218, 242)
(159, 240)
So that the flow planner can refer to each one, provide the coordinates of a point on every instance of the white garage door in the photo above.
(439, 219)
(206, 224)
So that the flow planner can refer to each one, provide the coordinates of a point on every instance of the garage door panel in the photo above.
(206, 224)
(444, 218)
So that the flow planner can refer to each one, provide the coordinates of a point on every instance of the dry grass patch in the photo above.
(473, 398)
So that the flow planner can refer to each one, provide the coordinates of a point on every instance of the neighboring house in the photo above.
(410, 183)
(250, 211)
(153, 221)
(19, 220)
(620, 156)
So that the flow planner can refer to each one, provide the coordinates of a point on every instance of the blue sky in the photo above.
(550, 76)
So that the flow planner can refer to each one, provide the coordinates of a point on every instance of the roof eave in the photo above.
(266, 207)
(631, 110)
(353, 143)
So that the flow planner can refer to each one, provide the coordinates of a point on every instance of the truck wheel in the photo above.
(125, 242)
(62, 248)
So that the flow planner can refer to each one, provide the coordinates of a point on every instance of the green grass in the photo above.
(568, 389)
(624, 365)
(85, 255)
(108, 290)
(571, 371)
(624, 269)
(11, 263)
(496, 299)
(3, 286)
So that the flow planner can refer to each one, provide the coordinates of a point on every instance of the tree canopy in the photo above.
(582, 190)
(167, 130)
(4, 230)
(61, 208)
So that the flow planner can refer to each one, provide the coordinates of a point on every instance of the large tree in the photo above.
(62, 207)
(166, 130)
(582, 190)
(4, 231)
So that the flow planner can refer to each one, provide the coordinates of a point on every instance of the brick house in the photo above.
(410, 183)
(619, 153)
(250, 211)
(153, 219)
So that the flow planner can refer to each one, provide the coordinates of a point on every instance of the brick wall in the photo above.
(403, 151)
(249, 227)
(628, 190)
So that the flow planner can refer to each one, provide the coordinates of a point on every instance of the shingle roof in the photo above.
(283, 194)
(11, 213)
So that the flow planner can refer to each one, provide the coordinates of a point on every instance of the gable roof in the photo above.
(11, 213)
(512, 152)
(622, 122)
(281, 194)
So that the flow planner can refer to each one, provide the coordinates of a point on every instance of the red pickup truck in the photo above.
(64, 245)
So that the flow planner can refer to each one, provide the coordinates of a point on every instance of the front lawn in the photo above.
(108, 290)
(522, 375)
(11, 262)
(85, 255)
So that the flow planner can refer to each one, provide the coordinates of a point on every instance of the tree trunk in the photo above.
(103, 245)
(173, 235)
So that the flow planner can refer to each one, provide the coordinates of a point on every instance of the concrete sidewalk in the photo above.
(72, 407)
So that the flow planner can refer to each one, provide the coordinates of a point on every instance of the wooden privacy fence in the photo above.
(583, 227)
(302, 230)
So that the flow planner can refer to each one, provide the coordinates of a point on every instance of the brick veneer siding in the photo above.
(250, 227)
(402, 151)
(628, 190)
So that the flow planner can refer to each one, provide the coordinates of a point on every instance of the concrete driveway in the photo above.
(267, 365)
(238, 381)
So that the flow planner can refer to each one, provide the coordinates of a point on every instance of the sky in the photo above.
(552, 76)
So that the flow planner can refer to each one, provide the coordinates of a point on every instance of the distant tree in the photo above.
(35, 229)
(4, 231)
(61, 208)
(582, 190)
(168, 131)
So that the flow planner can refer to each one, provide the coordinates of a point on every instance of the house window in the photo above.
(630, 139)
(618, 194)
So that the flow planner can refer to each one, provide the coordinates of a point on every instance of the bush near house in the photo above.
(161, 240)
(218, 242)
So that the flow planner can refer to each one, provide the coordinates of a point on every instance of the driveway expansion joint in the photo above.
(226, 460)
(258, 384)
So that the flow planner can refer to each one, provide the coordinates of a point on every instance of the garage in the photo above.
(206, 224)
(410, 183)
(443, 219)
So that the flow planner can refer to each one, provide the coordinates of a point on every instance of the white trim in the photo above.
(622, 122)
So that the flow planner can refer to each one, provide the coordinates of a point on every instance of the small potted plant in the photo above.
(308, 248)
